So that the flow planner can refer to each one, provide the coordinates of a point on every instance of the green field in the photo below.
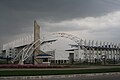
(54, 72)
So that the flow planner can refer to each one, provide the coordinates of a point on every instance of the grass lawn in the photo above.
(54, 72)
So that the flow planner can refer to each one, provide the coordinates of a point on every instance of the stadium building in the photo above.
(27, 50)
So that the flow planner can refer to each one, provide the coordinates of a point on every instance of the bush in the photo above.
(32, 66)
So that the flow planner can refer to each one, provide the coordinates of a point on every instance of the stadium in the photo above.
(27, 50)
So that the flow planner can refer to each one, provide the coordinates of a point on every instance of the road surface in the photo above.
(105, 77)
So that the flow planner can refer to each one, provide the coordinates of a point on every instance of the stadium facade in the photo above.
(22, 50)
(87, 51)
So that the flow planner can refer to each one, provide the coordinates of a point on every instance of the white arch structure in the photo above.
(110, 50)
(76, 39)
(27, 51)
(69, 36)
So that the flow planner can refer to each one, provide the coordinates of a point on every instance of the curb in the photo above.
(56, 76)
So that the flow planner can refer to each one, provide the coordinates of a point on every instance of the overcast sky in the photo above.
(88, 19)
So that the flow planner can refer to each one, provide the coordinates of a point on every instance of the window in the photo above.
(45, 60)
(10, 54)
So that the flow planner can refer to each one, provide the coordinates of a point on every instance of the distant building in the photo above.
(93, 53)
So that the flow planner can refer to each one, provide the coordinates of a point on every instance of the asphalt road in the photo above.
(105, 77)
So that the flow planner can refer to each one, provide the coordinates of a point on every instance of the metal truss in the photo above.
(69, 36)
(28, 50)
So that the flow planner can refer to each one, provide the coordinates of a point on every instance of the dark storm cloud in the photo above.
(60, 9)
(16, 16)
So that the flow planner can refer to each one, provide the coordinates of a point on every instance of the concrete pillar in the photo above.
(36, 34)
(118, 54)
(63, 61)
(36, 37)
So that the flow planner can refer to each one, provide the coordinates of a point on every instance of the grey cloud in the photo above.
(63, 28)
(17, 16)
(60, 10)
(109, 34)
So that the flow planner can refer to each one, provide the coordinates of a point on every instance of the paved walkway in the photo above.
(105, 77)
(95, 76)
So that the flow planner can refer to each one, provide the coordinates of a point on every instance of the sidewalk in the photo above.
(56, 76)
